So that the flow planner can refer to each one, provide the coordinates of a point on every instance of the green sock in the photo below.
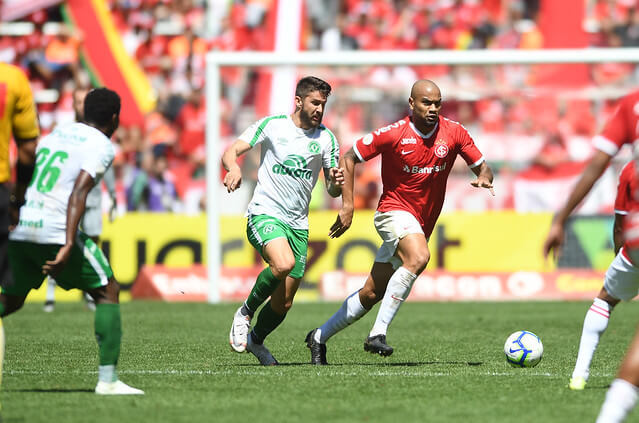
(263, 288)
(267, 321)
(108, 332)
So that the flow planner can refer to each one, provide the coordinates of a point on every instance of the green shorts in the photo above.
(86, 269)
(262, 229)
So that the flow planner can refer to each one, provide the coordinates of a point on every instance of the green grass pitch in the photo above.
(448, 366)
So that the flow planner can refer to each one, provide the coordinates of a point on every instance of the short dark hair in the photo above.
(100, 105)
(308, 84)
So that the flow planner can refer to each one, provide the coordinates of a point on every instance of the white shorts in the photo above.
(91, 223)
(622, 279)
(391, 227)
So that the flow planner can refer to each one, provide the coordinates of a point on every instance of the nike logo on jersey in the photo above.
(407, 152)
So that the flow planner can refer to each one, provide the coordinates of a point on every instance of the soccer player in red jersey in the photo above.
(622, 128)
(620, 283)
(418, 153)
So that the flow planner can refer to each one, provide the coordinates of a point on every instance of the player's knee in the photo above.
(369, 297)
(11, 306)
(417, 261)
(282, 268)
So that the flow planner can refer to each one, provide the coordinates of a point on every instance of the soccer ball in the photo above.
(523, 349)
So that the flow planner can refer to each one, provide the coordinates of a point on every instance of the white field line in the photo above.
(270, 371)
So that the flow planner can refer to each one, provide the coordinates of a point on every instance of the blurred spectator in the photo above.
(191, 122)
(151, 188)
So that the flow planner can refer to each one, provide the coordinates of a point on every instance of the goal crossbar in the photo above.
(216, 60)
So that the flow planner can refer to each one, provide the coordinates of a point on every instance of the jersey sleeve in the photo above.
(256, 133)
(468, 150)
(25, 121)
(373, 144)
(616, 131)
(97, 164)
(622, 201)
(330, 155)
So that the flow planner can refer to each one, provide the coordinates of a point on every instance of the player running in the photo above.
(69, 162)
(621, 281)
(91, 223)
(418, 153)
(294, 149)
(18, 117)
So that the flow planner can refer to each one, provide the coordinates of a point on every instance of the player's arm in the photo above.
(24, 172)
(75, 209)
(233, 178)
(484, 175)
(109, 182)
(617, 232)
(596, 166)
(345, 216)
(334, 178)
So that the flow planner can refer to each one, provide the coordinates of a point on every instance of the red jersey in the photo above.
(622, 128)
(415, 166)
(626, 201)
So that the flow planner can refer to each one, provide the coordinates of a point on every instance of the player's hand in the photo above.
(554, 240)
(54, 267)
(233, 179)
(337, 175)
(483, 183)
(342, 223)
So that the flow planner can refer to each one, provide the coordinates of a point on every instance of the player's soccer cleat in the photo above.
(238, 338)
(49, 306)
(377, 345)
(318, 351)
(261, 352)
(577, 383)
(116, 388)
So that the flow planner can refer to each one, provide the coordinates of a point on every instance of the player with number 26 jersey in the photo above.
(415, 166)
(60, 157)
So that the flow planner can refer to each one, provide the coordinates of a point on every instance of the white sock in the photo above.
(397, 291)
(107, 373)
(350, 311)
(50, 290)
(595, 324)
(620, 400)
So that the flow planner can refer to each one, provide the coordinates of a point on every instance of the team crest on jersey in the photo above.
(282, 141)
(268, 229)
(441, 148)
(314, 147)
(368, 139)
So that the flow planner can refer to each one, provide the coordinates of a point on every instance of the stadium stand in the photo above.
(169, 40)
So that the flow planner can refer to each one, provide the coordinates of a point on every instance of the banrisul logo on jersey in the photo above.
(294, 165)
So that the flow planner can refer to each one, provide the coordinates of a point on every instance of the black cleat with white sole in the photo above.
(318, 351)
(377, 345)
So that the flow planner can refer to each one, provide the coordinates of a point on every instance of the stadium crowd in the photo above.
(160, 165)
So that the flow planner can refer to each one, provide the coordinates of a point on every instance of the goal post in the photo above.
(216, 60)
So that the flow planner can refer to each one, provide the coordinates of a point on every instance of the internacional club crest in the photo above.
(441, 149)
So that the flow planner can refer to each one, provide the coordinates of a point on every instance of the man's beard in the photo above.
(307, 121)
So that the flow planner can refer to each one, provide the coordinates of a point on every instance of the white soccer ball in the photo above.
(523, 349)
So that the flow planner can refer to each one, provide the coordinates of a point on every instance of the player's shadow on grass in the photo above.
(380, 363)
(51, 391)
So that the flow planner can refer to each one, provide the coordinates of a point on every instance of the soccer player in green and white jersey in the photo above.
(294, 149)
(69, 162)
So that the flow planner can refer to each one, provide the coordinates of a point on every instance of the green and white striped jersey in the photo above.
(291, 160)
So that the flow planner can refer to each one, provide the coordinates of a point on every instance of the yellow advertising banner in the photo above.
(461, 242)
